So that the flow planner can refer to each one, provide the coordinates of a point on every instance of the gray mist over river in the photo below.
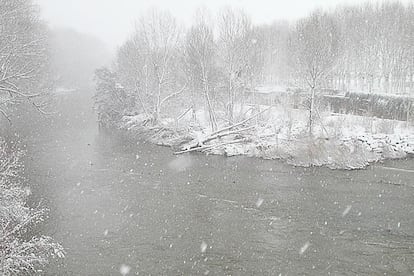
(193, 138)
(116, 203)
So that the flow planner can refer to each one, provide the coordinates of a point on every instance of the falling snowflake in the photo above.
(203, 247)
(304, 248)
(124, 269)
(346, 211)
(259, 202)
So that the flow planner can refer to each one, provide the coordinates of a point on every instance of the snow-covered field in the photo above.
(338, 141)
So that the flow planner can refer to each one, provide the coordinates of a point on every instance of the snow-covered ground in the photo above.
(338, 141)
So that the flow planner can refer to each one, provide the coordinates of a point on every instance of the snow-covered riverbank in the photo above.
(339, 141)
(21, 252)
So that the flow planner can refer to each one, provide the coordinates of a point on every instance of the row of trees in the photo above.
(212, 65)
(162, 61)
(375, 48)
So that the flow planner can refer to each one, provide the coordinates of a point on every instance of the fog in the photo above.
(113, 20)
(228, 137)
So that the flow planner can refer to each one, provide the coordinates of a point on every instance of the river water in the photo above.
(119, 206)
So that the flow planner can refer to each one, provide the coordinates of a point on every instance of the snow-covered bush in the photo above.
(20, 252)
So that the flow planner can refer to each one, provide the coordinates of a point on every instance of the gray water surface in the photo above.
(118, 203)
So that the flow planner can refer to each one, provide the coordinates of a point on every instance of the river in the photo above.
(119, 205)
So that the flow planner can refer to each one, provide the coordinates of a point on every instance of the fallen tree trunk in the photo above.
(210, 138)
(219, 133)
(240, 123)
(206, 147)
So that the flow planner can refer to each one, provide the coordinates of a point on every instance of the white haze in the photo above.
(113, 20)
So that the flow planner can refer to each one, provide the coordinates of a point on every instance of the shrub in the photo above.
(19, 251)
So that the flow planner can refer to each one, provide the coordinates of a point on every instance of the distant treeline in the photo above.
(213, 63)
(375, 49)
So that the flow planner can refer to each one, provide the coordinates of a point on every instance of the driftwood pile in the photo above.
(236, 133)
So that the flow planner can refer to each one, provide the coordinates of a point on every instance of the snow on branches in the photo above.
(19, 250)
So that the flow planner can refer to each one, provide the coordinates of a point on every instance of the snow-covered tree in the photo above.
(315, 50)
(20, 252)
(200, 54)
(236, 45)
(24, 68)
(148, 64)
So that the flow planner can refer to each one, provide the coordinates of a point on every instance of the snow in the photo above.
(259, 202)
(346, 211)
(203, 247)
(64, 90)
(304, 248)
(270, 89)
(338, 142)
(18, 254)
(124, 269)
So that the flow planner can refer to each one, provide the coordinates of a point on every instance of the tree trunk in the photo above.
(386, 83)
(231, 100)
(311, 111)
(212, 116)
(157, 106)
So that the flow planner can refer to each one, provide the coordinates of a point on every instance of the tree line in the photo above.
(210, 65)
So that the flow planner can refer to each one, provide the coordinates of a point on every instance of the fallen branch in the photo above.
(203, 148)
(219, 135)
(240, 123)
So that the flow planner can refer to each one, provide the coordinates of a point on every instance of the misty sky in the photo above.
(112, 20)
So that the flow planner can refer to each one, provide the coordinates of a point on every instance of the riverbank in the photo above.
(115, 203)
(20, 252)
(339, 141)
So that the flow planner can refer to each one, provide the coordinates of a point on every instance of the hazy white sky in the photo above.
(112, 20)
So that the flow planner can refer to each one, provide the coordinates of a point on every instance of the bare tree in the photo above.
(235, 43)
(377, 43)
(315, 49)
(160, 36)
(23, 55)
(200, 54)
